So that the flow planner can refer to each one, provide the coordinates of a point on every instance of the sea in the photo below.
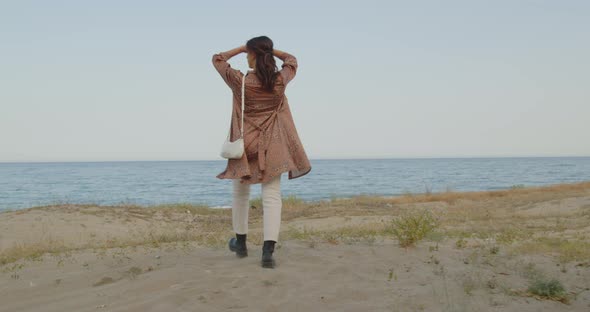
(149, 183)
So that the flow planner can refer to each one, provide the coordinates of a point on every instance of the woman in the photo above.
(271, 142)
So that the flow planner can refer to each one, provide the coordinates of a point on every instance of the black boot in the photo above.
(267, 249)
(238, 244)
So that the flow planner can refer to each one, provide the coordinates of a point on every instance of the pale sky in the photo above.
(103, 80)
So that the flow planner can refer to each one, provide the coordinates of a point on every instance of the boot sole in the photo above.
(268, 264)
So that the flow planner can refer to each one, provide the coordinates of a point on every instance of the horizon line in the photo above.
(327, 158)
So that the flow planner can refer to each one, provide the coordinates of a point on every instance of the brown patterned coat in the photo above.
(271, 142)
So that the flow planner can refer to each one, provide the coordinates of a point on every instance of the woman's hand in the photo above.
(280, 54)
(235, 51)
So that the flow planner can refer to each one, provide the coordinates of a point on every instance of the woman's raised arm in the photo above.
(289, 66)
(235, 51)
(231, 76)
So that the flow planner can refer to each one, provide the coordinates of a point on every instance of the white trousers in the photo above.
(271, 207)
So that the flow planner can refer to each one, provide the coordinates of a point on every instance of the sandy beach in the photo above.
(486, 251)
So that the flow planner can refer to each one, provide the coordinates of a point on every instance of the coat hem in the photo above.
(247, 181)
(291, 177)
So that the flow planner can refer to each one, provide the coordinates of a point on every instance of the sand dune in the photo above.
(115, 259)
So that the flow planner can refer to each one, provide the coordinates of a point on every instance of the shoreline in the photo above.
(317, 201)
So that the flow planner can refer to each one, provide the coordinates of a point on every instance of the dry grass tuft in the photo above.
(33, 251)
(566, 250)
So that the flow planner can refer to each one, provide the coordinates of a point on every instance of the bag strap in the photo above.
(243, 104)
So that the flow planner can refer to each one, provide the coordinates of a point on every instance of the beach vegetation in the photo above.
(413, 225)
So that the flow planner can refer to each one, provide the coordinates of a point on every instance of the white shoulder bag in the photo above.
(235, 149)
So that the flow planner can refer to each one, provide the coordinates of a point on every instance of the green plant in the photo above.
(517, 186)
(413, 226)
(461, 243)
(550, 289)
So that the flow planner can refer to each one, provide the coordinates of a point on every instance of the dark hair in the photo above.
(266, 67)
